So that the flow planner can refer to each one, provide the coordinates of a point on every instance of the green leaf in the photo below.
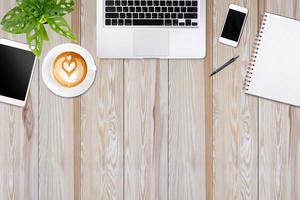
(12, 15)
(59, 8)
(17, 21)
(18, 27)
(34, 9)
(44, 33)
(60, 26)
(35, 39)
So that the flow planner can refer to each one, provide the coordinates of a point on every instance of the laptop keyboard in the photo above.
(151, 13)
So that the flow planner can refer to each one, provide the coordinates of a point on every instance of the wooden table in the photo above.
(154, 129)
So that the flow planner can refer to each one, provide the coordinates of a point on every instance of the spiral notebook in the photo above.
(274, 69)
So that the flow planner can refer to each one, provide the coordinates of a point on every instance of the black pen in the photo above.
(225, 65)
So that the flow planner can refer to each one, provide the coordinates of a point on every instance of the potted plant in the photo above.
(30, 17)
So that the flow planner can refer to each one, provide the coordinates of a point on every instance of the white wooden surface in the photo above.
(151, 129)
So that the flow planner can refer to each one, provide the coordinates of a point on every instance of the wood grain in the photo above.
(56, 138)
(102, 134)
(208, 98)
(235, 115)
(102, 121)
(19, 139)
(146, 129)
(76, 26)
(279, 140)
(187, 130)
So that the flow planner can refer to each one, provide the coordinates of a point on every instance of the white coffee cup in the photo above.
(57, 88)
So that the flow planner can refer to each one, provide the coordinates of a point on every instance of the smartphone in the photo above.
(233, 26)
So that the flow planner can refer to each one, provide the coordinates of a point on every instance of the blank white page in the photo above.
(276, 73)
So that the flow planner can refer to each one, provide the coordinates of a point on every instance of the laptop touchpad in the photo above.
(151, 43)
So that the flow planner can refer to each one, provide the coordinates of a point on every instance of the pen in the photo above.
(225, 65)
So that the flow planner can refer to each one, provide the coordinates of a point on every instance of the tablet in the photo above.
(16, 69)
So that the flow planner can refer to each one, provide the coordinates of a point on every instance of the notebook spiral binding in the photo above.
(253, 57)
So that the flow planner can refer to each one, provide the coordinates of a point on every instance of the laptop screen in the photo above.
(15, 71)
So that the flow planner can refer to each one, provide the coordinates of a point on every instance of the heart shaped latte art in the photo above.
(69, 69)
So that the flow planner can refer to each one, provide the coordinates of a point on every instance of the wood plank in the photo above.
(56, 137)
(279, 134)
(187, 130)
(146, 129)
(208, 98)
(235, 114)
(102, 134)
(19, 139)
(76, 25)
(102, 121)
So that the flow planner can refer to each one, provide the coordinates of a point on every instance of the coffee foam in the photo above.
(69, 69)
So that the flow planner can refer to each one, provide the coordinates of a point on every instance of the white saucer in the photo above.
(64, 91)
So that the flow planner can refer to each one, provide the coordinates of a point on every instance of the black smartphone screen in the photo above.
(15, 71)
(233, 25)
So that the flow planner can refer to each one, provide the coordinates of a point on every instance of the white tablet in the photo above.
(16, 69)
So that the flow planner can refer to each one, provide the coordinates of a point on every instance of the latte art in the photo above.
(69, 69)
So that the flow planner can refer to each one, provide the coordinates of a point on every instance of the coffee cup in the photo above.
(68, 70)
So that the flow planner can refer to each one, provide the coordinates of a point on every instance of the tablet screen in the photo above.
(15, 71)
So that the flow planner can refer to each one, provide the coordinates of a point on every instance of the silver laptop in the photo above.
(151, 29)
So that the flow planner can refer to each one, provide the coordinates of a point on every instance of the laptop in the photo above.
(151, 29)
